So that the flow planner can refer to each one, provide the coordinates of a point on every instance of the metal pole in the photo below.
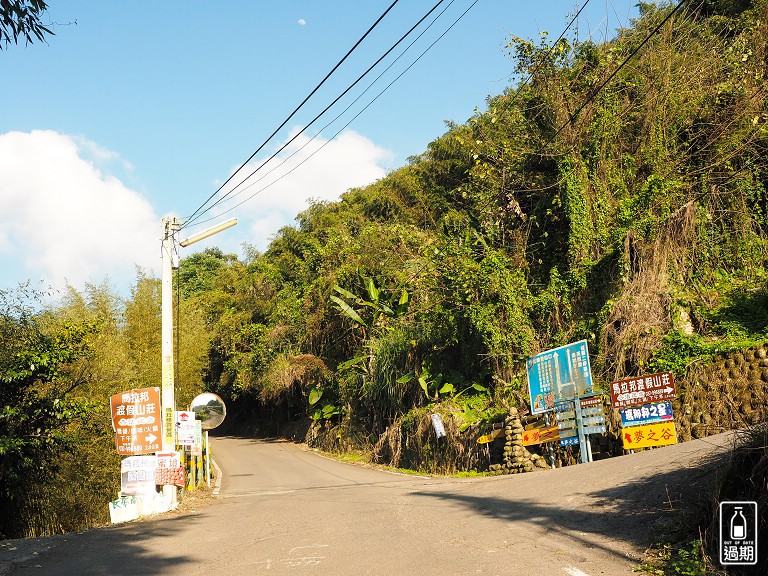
(207, 459)
(580, 427)
(548, 422)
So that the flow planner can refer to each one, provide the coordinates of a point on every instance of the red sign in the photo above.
(169, 469)
(642, 390)
(136, 420)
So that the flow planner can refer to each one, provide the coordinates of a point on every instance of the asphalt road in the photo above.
(284, 509)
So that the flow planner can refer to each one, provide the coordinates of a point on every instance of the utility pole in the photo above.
(171, 226)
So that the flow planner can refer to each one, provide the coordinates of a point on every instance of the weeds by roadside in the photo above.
(689, 559)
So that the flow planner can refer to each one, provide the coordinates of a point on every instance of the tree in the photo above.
(21, 19)
(36, 401)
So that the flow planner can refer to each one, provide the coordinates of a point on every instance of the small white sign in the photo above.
(437, 424)
(185, 428)
(137, 475)
(124, 509)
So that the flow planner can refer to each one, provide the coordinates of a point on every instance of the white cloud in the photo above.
(62, 219)
(322, 170)
(302, 22)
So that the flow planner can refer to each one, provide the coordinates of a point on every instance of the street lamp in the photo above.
(208, 232)
(171, 226)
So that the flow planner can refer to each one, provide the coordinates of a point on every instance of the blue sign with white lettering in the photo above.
(569, 441)
(646, 414)
(558, 374)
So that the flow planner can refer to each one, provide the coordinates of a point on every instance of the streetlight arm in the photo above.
(209, 232)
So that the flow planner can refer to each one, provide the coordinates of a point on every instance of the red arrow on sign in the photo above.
(628, 436)
(525, 438)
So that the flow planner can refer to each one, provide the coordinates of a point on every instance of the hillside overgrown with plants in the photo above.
(615, 192)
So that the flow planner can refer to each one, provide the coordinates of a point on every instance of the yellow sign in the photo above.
(651, 435)
(486, 438)
(169, 436)
(541, 435)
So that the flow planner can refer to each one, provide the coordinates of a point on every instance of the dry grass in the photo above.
(641, 315)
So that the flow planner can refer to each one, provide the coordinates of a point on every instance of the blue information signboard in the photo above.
(558, 374)
(646, 414)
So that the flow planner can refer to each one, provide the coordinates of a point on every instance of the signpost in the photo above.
(592, 421)
(561, 380)
(646, 414)
(577, 420)
(649, 436)
(565, 414)
(541, 435)
(136, 420)
(591, 403)
(490, 437)
(169, 471)
(558, 374)
(642, 390)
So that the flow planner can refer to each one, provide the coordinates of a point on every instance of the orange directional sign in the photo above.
(651, 435)
(136, 420)
(541, 435)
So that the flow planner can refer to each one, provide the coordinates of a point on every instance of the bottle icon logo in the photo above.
(738, 533)
(738, 525)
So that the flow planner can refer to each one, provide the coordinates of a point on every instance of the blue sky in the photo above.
(137, 110)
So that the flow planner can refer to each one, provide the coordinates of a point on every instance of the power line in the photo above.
(291, 115)
(592, 95)
(232, 196)
(631, 55)
(344, 93)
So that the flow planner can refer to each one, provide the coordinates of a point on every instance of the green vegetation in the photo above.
(687, 560)
(637, 224)
(634, 216)
(59, 364)
(20, 20)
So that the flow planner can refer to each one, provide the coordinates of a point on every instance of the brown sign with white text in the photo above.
(136, 420)
(642, 390)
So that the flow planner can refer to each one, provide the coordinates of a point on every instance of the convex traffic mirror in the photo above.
(209, 408)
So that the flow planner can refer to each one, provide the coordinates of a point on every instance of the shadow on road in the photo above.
(125, 549)
(639, 513)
